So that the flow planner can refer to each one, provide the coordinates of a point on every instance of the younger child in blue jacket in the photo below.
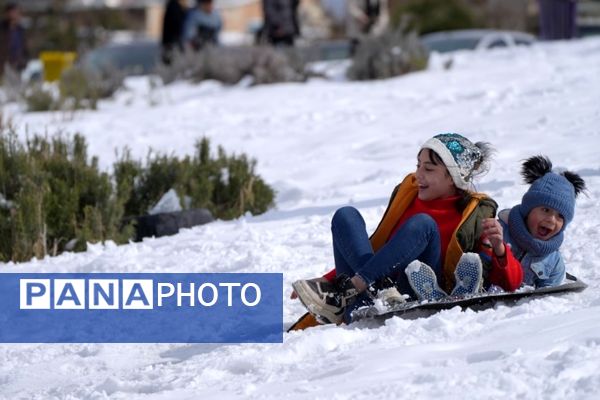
(535, 228)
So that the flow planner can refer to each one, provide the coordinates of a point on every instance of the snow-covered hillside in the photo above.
(323, 145)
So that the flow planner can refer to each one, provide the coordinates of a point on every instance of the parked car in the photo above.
(475, 39)
(139, 57)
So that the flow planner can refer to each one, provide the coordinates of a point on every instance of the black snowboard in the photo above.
(416, 309)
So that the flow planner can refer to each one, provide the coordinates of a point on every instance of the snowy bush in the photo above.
(392, 54)
(78, 88)
(12, 84)
(230, 64)
(39, 98)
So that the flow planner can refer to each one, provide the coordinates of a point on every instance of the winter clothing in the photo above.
(466, 237)
(388, 253)
(172, 33)
(460, 156)
(551, 190)
(13, 46)
(415, 229)
(444, 213)
(517, 227)
(541, 261)
(366, 17)
(281, 23)
(202, 28)
(505, 271)
(418, 238)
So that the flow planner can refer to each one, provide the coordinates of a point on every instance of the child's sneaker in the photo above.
(468, 274)
(423, 281)
(327, 301)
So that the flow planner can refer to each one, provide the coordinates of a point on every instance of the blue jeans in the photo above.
(417, 239)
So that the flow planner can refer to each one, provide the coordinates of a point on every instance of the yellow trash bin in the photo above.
(55, 62)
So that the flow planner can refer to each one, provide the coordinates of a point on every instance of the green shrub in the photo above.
(57, 196)
(81, 88)
(227, 185)
(38, 98)
(53, 196)
(77, 89)
(426, 16)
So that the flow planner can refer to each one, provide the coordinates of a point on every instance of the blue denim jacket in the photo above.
(537, 271)
(197, 18)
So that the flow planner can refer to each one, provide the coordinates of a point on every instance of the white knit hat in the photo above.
(459, 154)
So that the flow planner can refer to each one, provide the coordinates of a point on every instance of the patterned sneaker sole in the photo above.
(423, 281)
(468, 278)
(313, 303)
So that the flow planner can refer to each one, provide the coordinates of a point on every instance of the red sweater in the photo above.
(443, 212)
(506, 272)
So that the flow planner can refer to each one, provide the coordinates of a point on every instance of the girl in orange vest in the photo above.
(433, 224)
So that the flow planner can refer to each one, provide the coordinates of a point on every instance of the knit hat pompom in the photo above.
(463, 158)
(549, 188)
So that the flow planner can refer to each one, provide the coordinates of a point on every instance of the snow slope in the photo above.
(323, 145)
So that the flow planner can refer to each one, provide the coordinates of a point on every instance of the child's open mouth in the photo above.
(543, 231)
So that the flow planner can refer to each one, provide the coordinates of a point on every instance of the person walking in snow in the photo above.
(13, 39)
(365, 18)
(535, 228)
(281, 24)
(172, 31)
(433, 221)
(202, 25)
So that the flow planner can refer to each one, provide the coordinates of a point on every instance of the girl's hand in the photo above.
(493, 231)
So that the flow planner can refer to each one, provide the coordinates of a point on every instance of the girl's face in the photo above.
(433, 178)
(544, 222)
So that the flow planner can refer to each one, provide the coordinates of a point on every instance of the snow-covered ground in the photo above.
(323, 145)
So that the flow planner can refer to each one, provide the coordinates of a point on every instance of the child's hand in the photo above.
(294, 295)
(493, 231)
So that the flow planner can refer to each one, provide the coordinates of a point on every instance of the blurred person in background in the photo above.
(366, 18)
(202, 25)
(558, 19)
(281, 21)
(172, 32)
(13, 41)
(295, 6)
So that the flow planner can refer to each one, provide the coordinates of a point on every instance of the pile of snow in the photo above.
(323, 145)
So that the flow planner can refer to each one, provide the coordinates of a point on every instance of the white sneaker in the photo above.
(468, 274)
(423, 281)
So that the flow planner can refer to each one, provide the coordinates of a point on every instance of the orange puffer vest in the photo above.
(465, 237)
